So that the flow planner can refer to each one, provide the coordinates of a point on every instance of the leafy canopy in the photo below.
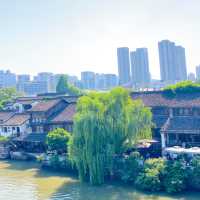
(7, 95)
(64, 87)
(106, 124)
(57, 140)
(182, 87)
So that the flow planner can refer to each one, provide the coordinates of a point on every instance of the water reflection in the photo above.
(24, 181)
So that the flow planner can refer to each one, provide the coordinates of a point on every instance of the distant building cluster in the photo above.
(91, 80)
(133, 72)
(46, 82)
(133, 66)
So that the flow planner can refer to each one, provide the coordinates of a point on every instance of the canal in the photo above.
(25, 181)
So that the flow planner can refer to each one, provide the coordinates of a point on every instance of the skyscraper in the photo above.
(123, 65)
(140, 67)
(181, 63)
(198, 72)
(172, 62)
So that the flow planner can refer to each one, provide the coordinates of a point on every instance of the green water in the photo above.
(25, 181)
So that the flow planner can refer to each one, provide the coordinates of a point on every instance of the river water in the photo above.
(25, 181)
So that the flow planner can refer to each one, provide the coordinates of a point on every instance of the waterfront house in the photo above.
(176, 117)
(16, 125)
(43, 111)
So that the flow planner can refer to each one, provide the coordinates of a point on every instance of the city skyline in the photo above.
(64, 37)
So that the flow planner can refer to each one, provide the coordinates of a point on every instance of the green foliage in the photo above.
(127, 168)
(64, 87)
(175, 176)
(182, 87)
(151, 177)
(7, 95)
(106, 124)
(4, 139)
(57, 140)
(194, 173)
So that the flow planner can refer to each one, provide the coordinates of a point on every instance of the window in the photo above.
(18, 130)
(186, 111)
(181, 111)
(5, 129)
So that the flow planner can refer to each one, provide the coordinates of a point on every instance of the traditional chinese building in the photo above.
(176, 117)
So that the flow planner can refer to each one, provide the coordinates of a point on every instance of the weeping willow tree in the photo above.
(106, 124)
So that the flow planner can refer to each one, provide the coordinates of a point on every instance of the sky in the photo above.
(70, 36)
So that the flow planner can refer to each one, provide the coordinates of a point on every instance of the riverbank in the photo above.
(26, 180)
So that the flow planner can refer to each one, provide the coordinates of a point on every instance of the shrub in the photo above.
(194, 173)
(151, 177)
(57, 140)
(128, 167)
(175, 176)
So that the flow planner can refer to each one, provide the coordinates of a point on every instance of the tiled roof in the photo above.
(17, 119)
(160, 99)
(5, 115)
(185, 123)
(66, 115)
(159, 121)
(44, 105)
(71, 99)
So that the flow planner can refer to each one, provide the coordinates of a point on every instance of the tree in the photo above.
(64, 87)
(7, 95)
(105, 125)
(57, 140)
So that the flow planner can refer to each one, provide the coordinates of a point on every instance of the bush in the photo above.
(151, 177)
(59, 162)
(128, 167)
(57, 140)
(194, 173)
(175, 176)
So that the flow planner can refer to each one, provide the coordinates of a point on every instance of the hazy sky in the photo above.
(70, 36)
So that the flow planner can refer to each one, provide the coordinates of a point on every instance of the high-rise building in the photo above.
(99, 81)
(33, 88)
(191, 76)
(48, 78)
(88, 80)
(123, 65)
(21, 78)
(172, 62)
(198, 72)
(140, 67)
(110, 80)
(7, 79)
(181, 63)
(105, 81)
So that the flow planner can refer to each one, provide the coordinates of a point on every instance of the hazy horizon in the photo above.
(66, 37)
